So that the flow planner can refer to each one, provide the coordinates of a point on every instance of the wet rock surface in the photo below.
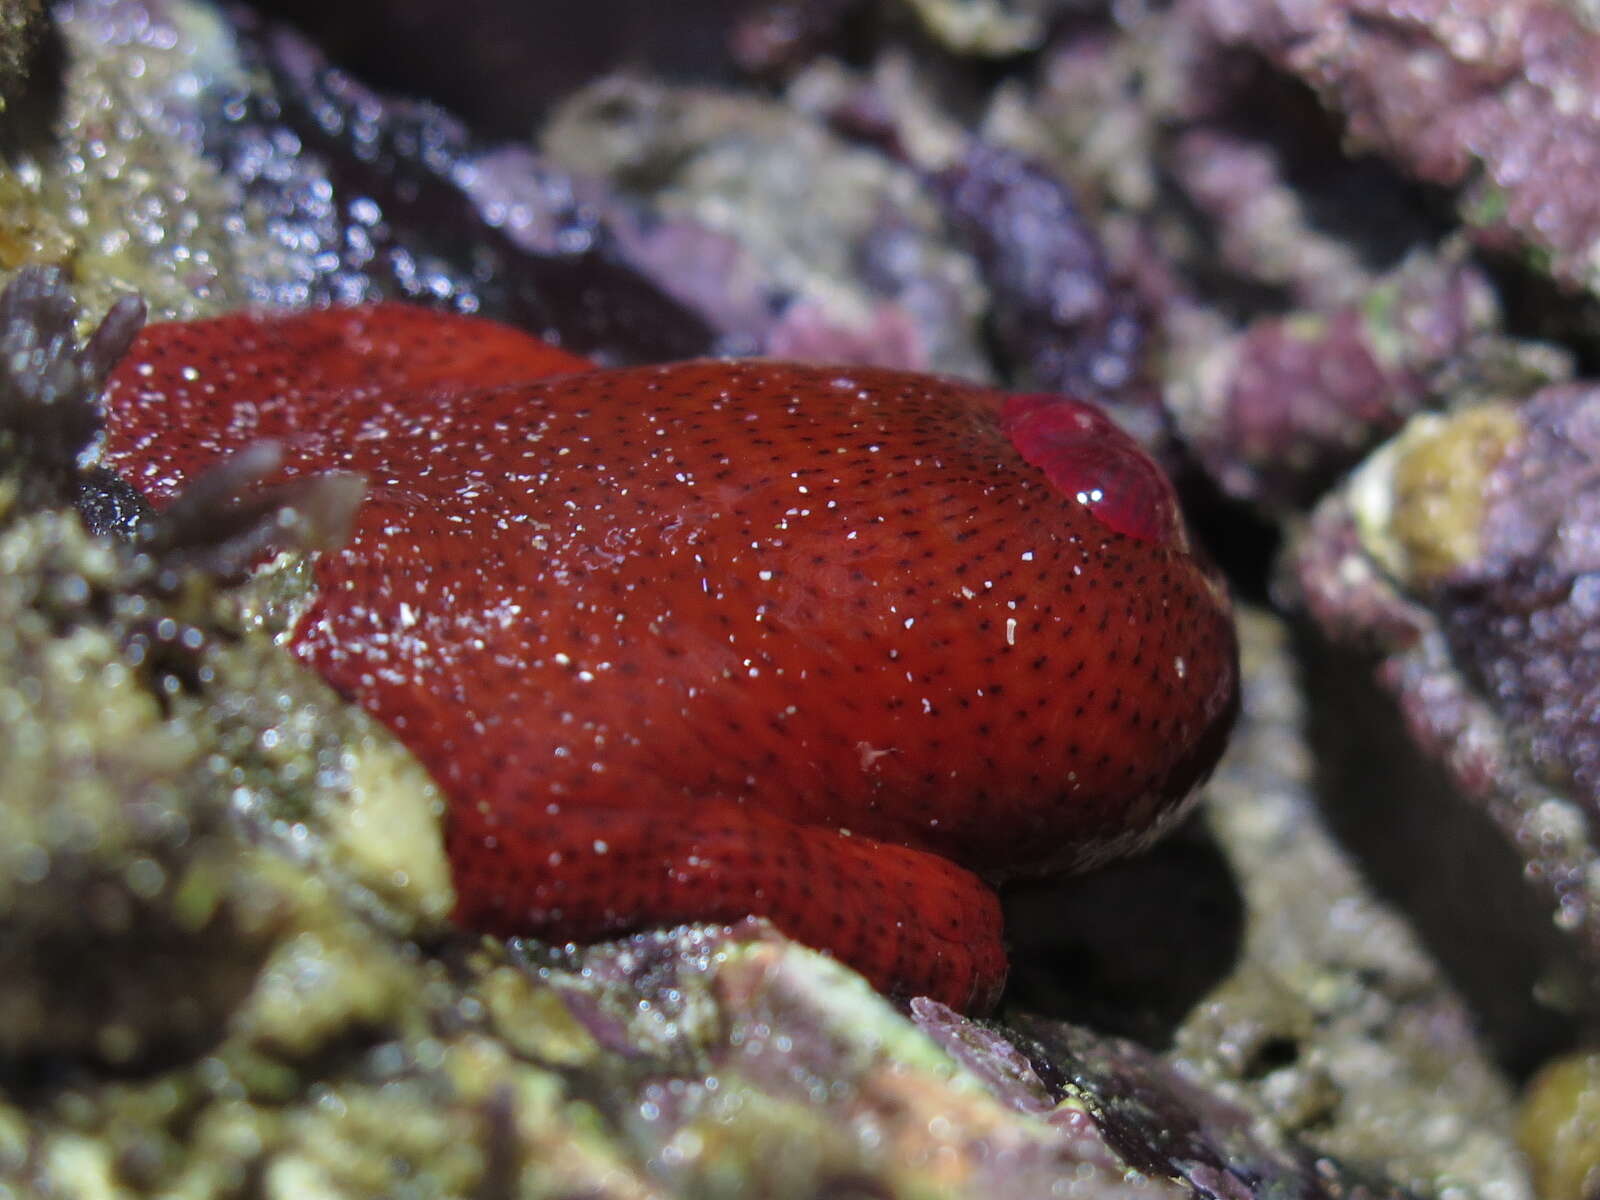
(1457, 554)
(1476, 96)
(1331, 260)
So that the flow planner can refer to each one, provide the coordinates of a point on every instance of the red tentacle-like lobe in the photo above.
(833, 645)
(1086, 457)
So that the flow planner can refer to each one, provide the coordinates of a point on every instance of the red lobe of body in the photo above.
(831, 645)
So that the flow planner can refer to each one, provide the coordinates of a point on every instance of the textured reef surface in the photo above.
(1332, 264)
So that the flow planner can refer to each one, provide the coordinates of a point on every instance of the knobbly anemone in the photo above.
(838, 646)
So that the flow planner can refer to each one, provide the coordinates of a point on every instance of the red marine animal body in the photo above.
(839, 646)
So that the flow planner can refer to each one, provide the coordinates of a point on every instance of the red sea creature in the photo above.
(833, 645)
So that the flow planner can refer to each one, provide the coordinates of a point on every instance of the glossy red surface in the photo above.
(716, 638)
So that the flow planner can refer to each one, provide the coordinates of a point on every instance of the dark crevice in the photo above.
(501, 64)
(1430, 852)
(1131, 948)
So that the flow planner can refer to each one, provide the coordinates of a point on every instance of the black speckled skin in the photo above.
(713, 638)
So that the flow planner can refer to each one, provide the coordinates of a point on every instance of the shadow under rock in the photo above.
(1131, 948)
(29, 120)
(1435, 856)
(502, 63)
